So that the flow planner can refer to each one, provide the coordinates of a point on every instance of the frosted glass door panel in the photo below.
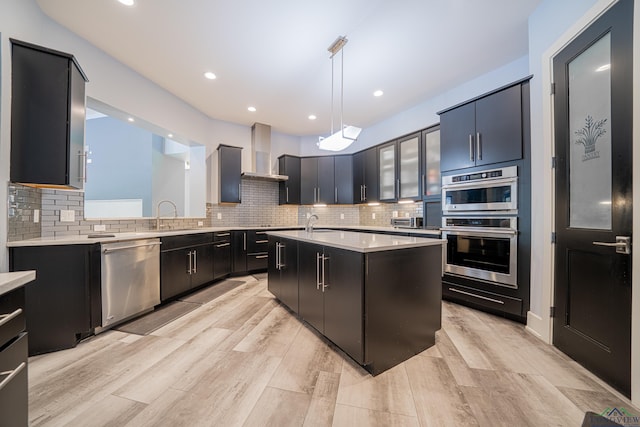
(410, 168)
(432, 163)
(388, 172)
(590, 137)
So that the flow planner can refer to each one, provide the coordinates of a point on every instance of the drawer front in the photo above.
(12, 316)
(489, 300)
(258, 241)
(14, 392)
(222, 236)
(257, 261)
(185, 240)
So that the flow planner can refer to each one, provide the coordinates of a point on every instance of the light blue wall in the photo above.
(120, 165)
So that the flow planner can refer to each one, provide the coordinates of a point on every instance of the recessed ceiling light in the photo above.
(312, 117)
(130, 119)
(209, 75)
(170, 135)
(252, 109)
(127, 2)
(378, 93)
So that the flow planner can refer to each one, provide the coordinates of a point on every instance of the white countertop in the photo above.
(11, 281)
(358, 242)
(85, 240)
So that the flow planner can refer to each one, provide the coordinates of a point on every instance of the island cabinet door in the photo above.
(310, 297)
(342, 287)
(288, 261)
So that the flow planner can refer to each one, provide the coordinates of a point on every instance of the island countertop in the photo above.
(358, 242)
(11, 281)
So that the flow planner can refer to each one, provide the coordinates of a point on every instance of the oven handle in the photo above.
(480, 184)
(470, 231)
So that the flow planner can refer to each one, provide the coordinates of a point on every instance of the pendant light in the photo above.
(345, 136)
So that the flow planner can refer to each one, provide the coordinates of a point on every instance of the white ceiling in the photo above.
(273, 54)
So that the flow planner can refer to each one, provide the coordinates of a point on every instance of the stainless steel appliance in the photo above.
(130, 279)
(407, 222)
(493, 190)
(483, 248)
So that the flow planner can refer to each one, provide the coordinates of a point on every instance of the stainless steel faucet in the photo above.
(175, 211)
(309, 226)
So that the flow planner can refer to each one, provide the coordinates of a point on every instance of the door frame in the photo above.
(542, 325)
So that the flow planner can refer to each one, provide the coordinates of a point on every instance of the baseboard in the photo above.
(537, 326)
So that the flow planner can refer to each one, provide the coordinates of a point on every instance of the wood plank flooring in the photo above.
(244, 359)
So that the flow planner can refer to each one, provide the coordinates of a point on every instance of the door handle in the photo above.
(622, 244)
(287, 191)
(195, 262)
(11, 374)
(324, 282)
(471, 158)
(189, 256)
(318, 258)
(336, 197)
(479, 146)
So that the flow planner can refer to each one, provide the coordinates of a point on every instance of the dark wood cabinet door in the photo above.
(343, 291)
(202, 268)
(409, 167)
(289, 190)
(431, 182)
(358, 177)
(221, 259)
(458, 128)
(310, 297)
(229, 173)
(14, 400)
(371, 185)
(238, 251)
(274, 281)
(344, 178)
(326, 180)
(308, 180)
(499, 127)
(174, 273)
(288, 273)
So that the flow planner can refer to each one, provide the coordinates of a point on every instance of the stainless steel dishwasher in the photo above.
(130, 279)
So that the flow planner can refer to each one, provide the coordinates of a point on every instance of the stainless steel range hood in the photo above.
(261, 155)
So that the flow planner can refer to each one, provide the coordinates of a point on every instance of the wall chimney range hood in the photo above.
(261, 155)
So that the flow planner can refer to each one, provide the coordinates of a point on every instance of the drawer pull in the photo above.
(262, 241)
(6, 318)
(262, 256)
(261, 232)
(223, 234)
(476, 296)
(11, 374)
(223, 245)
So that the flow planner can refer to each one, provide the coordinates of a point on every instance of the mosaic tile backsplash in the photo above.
(259, 207)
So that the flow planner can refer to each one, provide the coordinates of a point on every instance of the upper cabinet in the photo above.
(343, 178)
(289, 190)
(47, 118)
(431, 184)
(229, 173)
(365, 176)
(484, 131)
(317, 182)
(399, 167)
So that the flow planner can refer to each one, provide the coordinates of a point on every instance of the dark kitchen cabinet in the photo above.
(238, 252)
(63, 303)
(431, 182)
(289, 190)
(330, 295)
(13, 359)
(283, 271)
(343, 178)
(388, 154)
(47, 117)
(186, 262)
(317, 181)
(229, 173)
(484, 131)
(365, 176)
(400, 169)
(249, 251)
(221, 254)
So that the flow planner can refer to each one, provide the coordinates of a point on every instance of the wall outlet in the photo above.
(99, 227)
(341, 216)
(407, 214)
(200, 223)
(308, 215)
(67, 215)
(394, 214)
(373, 215)
(219, 215)
(36, 216)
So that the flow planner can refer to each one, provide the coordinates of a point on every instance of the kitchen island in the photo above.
(377, 297)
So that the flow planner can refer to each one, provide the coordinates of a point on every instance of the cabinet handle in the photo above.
(318, 258)
(287, 190)
(336, 196)
(471, 159)
(244, 241)
(280, 263)
(424, 184)
(261, 232)
(476, 296)
(223, 245)
(6, 318)
(189, 255)
(195, 262)
(277, 256)
(262, 241)
(223, 234)
(324, 284)
(479, 146)
(364, 187)
(262, 256)
(361, 193)
(11, 374)
(82, 158)
(397, 188)
(121, 248)
(240, 193)
(318, 199)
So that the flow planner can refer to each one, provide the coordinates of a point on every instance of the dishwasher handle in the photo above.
(109, 250)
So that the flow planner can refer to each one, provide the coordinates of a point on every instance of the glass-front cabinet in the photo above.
(409, 168)
(431, 184)
(387, 168)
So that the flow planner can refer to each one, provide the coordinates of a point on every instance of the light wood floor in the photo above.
(243, 359)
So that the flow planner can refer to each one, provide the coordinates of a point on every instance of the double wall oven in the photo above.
(480, 224)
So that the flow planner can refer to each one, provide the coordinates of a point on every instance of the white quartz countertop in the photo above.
(106, 237)
(358, 242)
(11, 281)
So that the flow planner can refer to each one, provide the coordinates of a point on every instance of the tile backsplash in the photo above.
(259, 207)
